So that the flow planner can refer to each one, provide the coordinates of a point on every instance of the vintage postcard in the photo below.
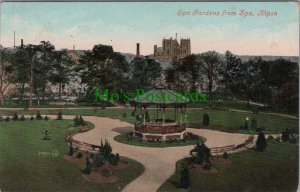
(149, 96)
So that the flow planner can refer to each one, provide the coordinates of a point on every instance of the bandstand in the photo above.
(161, 129)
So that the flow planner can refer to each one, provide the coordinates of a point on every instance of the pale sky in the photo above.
(122, 25)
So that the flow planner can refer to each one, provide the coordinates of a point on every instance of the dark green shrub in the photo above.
(46, 135)
(38, 116)
(79, 155)
(7, 118)
(225, 155)
(22, 118)
(112, 160)
(105, 173)
(78, 121)
(15, 117)
(105, 150)
(59, 116)
(98, 160)
(147, 116)
(246, 125)
(92, 155)
(184, 179)
(200, 154)
(133, 113)
(31, 118)
(46, 118)
(117, 157)
(270, 138)
(253, 124)
(88, 166)
(124, 115)
(71, 150)
(205, 121)
(261, 142)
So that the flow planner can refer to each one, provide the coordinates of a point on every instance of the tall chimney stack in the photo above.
(22, 43)
(137, 49)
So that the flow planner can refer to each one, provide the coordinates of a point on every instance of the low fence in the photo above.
(232, 148)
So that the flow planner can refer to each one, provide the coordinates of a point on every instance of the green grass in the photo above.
(140, 142)
(219, 120)
(276, 169)
(27, 163)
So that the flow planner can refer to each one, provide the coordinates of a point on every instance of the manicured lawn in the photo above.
(276, 169)
(219, 120)
(29, 163)
(139, 142)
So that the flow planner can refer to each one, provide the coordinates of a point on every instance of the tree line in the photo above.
(35, 68)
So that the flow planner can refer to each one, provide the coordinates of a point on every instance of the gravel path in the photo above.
(159, 162)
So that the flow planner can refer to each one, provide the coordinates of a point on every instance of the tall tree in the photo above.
(191, 68)
(62, 70)
(6, 72)
(103, 68)
(209, 64)
(227, 71)
(144, 72)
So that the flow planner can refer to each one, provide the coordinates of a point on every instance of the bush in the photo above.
(59, 116)
(88, 166)
(38, 116)
(117, 157)
(253, 124)
(261, 142)
(147, 116)
(71, 150)
(98, 160)
(79, 155)
(105, 173)
(92, 155)
(246, 125)
(124, 115)
(22, 118)
(270, 137)
(184, 179)
(31, 118)
(78, 121)
(205, 119)
(46, 134)
(7, 118)
(1, 118)
(225, 155)
(133, 113)
(15, 117)
(46, 118)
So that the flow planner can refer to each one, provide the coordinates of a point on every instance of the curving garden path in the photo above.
(159, 163)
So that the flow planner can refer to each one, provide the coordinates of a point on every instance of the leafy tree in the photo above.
(6, 72)
(191, 67)
(144, 72)
(100, 67)
(209, 65)
(261, 142)
(62, 71)
(246, 80)
(227, 71)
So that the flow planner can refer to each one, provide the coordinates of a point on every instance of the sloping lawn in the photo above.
(29, 163)
(276, 169)
(219, 120)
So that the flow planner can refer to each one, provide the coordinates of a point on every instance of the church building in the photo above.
(171, 49)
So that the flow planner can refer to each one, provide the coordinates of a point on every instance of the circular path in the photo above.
(159, 163)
